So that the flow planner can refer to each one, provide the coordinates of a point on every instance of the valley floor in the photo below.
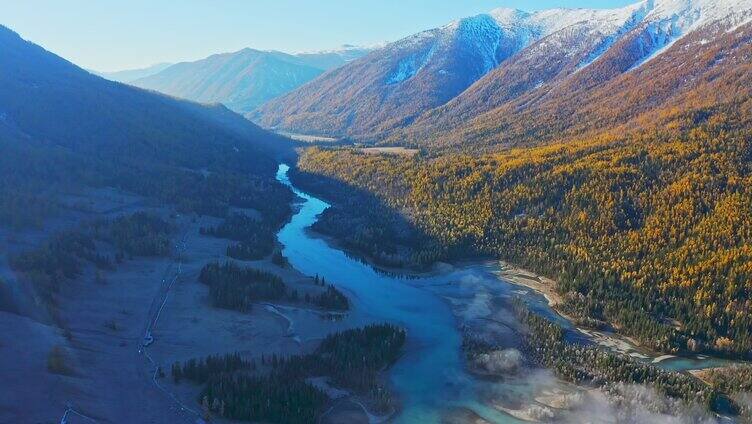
(108, 375)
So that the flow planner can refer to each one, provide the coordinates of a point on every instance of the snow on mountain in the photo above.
(670, 20)
(664, 22)
(346, 51)
(334, 58)
(585, 63)
(410, 66)
(545, 22)
(443, 76)
(483, 35)
(517, 29)
(688, 15)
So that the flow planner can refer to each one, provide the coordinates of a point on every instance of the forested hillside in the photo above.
(613, 158)
(62, 127)
(649, 232)
(278, 389)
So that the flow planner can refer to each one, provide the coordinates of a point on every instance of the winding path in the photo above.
(155, 313)
(190, 414)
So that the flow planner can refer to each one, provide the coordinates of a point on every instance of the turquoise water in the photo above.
(696, 363)
(430, 378)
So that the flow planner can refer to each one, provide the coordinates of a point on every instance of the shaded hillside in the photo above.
(62, 126)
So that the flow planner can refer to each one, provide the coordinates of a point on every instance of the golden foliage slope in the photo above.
(651, 232)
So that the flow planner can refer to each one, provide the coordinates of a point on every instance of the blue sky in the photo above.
(113, 35)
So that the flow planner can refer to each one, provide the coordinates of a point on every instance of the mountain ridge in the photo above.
(607, 94)
(92, 131)
(244, 79)
(544, 48)
(128, 75)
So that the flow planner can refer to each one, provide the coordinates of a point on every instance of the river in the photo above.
(431, 379)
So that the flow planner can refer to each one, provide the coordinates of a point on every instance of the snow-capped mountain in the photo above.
(395, 83)
(245, 79)
(440, 79)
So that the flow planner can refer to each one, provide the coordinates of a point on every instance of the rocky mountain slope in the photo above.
(477, 77)
(663, 59)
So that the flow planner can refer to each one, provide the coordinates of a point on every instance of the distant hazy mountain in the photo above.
(330, 59)
(245, 79)
(133, 74)
(478, 77)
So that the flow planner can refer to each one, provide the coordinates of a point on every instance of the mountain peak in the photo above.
(483, 61)
(689, 14)
(508, 16)
(247, 78)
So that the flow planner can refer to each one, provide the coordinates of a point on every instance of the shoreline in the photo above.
(400, 272)
(509, 273)
(514, 275)
(521, 277)
(613, 341)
